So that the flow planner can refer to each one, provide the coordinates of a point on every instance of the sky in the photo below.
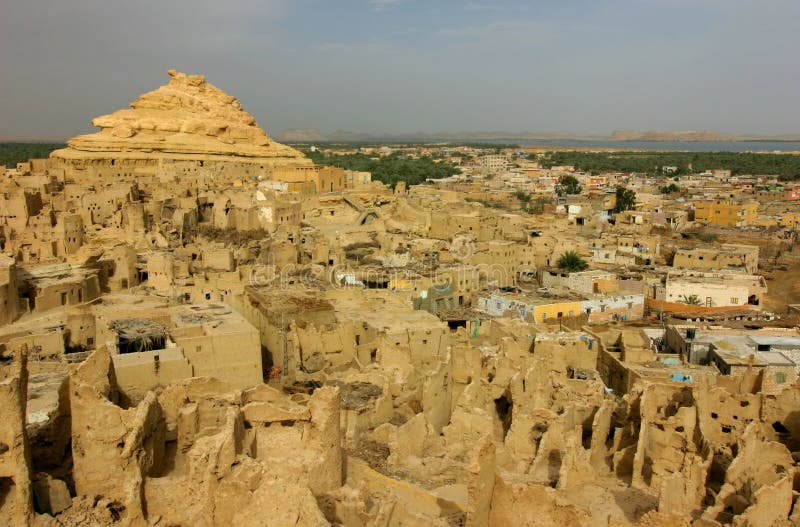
(404, 66)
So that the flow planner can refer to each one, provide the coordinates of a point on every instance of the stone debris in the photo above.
(359, 395)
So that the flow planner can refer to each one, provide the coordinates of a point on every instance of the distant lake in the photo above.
(689, 146)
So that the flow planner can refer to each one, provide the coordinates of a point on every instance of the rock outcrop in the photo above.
(186, 119)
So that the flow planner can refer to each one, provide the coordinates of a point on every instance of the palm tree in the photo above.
(692, 300)
(571, 261)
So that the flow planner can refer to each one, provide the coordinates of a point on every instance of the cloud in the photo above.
(485, 6)
(399, 64)
(477, 6)
(493, 28)
(348, 48)
(380, 5)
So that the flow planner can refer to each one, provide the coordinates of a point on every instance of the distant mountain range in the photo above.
(692, 135)
(310, 135)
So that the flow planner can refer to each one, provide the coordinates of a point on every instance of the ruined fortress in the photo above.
(203, 328)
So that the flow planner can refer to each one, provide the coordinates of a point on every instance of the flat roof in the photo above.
(44, 275)
(776, 340)
(535, 299)
(745, 280)
(379, 308)
(775, 358)
(213, 318)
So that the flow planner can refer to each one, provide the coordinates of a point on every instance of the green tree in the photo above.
(572, 261)
(650, 162)
(626, 199)
(568, 185)
(669, 189)
(388, 169)
(692, 300)
(707, 237)
(13, 153)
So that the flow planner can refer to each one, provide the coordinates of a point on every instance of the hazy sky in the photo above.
(584, 66)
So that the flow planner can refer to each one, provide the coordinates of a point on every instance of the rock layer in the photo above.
(189, 117)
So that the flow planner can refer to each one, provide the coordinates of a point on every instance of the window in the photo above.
(734, 300)
(780, 377)
(544, 316)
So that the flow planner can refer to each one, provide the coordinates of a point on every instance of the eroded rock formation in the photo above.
(186, 119)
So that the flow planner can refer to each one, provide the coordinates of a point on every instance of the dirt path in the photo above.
(783, 287)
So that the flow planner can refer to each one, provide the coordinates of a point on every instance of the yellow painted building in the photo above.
(726, 213)
(766, 221)
(790, 219)
(597, 181)
(529, 307)
(552, 312)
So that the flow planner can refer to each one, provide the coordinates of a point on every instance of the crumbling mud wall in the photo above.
(758, 484)
(196, 453)
(113, 449)
(16, 494)
(520, 442)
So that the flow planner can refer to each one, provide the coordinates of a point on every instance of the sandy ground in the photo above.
(611, 497)
(783, 287)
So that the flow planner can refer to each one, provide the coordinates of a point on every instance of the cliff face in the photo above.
(186, 116)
